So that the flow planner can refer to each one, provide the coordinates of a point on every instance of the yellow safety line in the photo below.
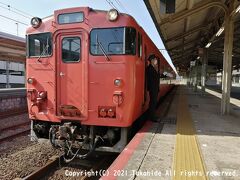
(188, 162)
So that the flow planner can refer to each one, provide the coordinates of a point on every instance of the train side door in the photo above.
(72, 75)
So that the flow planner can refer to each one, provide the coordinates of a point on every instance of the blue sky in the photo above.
(45, 8)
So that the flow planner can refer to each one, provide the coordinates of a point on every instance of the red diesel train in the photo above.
(86, 80)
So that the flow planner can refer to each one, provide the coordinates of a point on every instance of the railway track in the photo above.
(16, 131)
(54, 163)
(14, 126)
(13, 136)
(13, 113)
(84, 167)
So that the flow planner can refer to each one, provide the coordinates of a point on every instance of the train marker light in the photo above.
(36, 22)
(30, 80)
(117, 82)
(112, 15)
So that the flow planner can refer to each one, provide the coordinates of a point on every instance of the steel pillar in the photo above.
(227, 65)
(190, 77)
(195, 76)
(204, 69)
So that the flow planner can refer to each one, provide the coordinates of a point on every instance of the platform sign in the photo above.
(167, 6)
(192, 63)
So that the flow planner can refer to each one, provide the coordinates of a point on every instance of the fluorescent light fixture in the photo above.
(220, 31)
(238, 9)
(208, 45)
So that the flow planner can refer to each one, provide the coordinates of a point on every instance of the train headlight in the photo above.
(36, 22)
(112, 15)
(117, 82)
(30, 80)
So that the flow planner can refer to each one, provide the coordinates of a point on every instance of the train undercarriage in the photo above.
(79, 141)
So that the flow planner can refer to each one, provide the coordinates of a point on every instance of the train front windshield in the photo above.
(39, 45)
(113, 41)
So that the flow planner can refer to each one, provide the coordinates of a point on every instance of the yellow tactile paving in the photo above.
(188, 163)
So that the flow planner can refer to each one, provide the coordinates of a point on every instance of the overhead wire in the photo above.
(14, 20)
(122, 6)
(111, 4)
(23, 12)
(15, 12)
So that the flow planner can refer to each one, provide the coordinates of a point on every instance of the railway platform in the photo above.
(192, 140)
(12, 102)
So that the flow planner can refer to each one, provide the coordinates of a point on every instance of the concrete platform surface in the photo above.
(218, 139)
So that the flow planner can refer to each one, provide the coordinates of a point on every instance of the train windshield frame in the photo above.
(39, 45)
(113, 41)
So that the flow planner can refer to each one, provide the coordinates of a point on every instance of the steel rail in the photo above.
(13, 113)
(54, 162)
(8, 138)
(14, 126)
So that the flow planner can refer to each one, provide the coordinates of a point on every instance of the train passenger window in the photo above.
(71, 49)
(113, 41)
(139, 45)
(68, 18)
(39, 45)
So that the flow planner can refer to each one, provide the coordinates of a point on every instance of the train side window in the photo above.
(71, 48)
(139, 45)
(37, 47)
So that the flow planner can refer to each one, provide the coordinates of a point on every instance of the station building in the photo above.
(12, 61)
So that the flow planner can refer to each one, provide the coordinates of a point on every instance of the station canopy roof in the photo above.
(194, 24)
(12, 48)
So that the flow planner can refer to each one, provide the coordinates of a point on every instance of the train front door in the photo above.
(72, 75)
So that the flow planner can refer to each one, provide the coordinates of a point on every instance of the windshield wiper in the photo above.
(44, 52)
(102, 49)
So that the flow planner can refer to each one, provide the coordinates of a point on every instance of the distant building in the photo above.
(12, 74)
(12, 61)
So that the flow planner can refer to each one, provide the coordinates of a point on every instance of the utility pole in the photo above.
(17, 28)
